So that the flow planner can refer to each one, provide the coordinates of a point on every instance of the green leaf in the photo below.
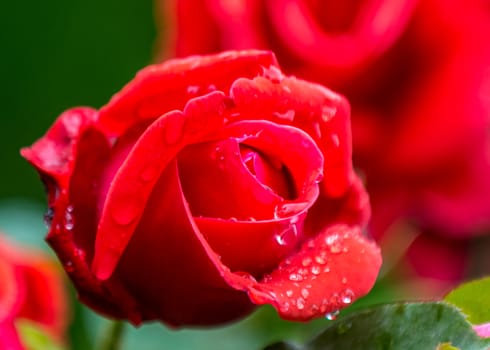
(402, 326)
(446, 346)
(472, 298)
(33, 338)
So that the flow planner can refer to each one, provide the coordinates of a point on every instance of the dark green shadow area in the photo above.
(59, 54)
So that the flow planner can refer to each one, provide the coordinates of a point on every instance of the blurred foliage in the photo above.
(33, 337)
(397, 326)
(58, 54)
(473, 300)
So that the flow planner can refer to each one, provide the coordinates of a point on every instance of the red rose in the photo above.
(197, 192)
(417, 76)
(31, 289)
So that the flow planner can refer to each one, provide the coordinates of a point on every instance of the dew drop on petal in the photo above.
(288, 115)
(289, 293)
(332, 315)
(284, 307)
(69, 223)
(317, 129)
(48, 217)
(69, 266)
(306, 261)
(315, 270)
(305, 293)
(320, 259)
(347, 296)
(193, 89)
(300, 303)
(328, 112)
(295, 277)
(125, 213)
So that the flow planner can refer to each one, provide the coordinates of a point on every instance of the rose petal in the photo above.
(164, 87)
(310, 107)
(32, 288)
(52, 154)
(135, 179)
(10, 339)
(213, 176)
(377, 25)
(328, 273)
(178, 249)
(11, 293)
(304, 160)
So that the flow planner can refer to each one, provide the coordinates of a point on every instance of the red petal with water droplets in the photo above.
(164, 87)
(135, 179)
(310, 107)
(328, 273)
(169, 267)
(52, 155)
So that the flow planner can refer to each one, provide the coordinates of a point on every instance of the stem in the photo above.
(112, 337)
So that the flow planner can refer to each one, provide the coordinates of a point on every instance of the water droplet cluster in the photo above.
(305, 279)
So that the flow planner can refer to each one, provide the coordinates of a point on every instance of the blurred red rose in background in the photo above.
(207, 185)
(31, 289)
(417, 76)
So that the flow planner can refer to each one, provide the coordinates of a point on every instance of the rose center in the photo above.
(228, 180)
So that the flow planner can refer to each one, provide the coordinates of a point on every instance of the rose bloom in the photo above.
(31, 289)
(417, 76)
(207, 185)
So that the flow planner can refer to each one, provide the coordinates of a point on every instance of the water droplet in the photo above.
(245, 275)
(69, 266)
(286, 209)
(328, 112)
(305, 293)
(288, 115)
(315, 270)
(347, 296)
(289, 293)
(320, 259)
(303, 271)
(69, 224)
(211, 87)
(284, 307)
(280, 240)
(306, 261)
(295, 277)
(48, 217)
(233, 219)
(251, 218)
(193, 89)
(332, 315)
(326, 269)
(286, 89)
(80, 253)
(344, 280)
(125, 213)
(317, 129)
(300, 303)
(335, 140)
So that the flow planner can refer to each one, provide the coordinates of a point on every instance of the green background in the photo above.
(59, 54)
